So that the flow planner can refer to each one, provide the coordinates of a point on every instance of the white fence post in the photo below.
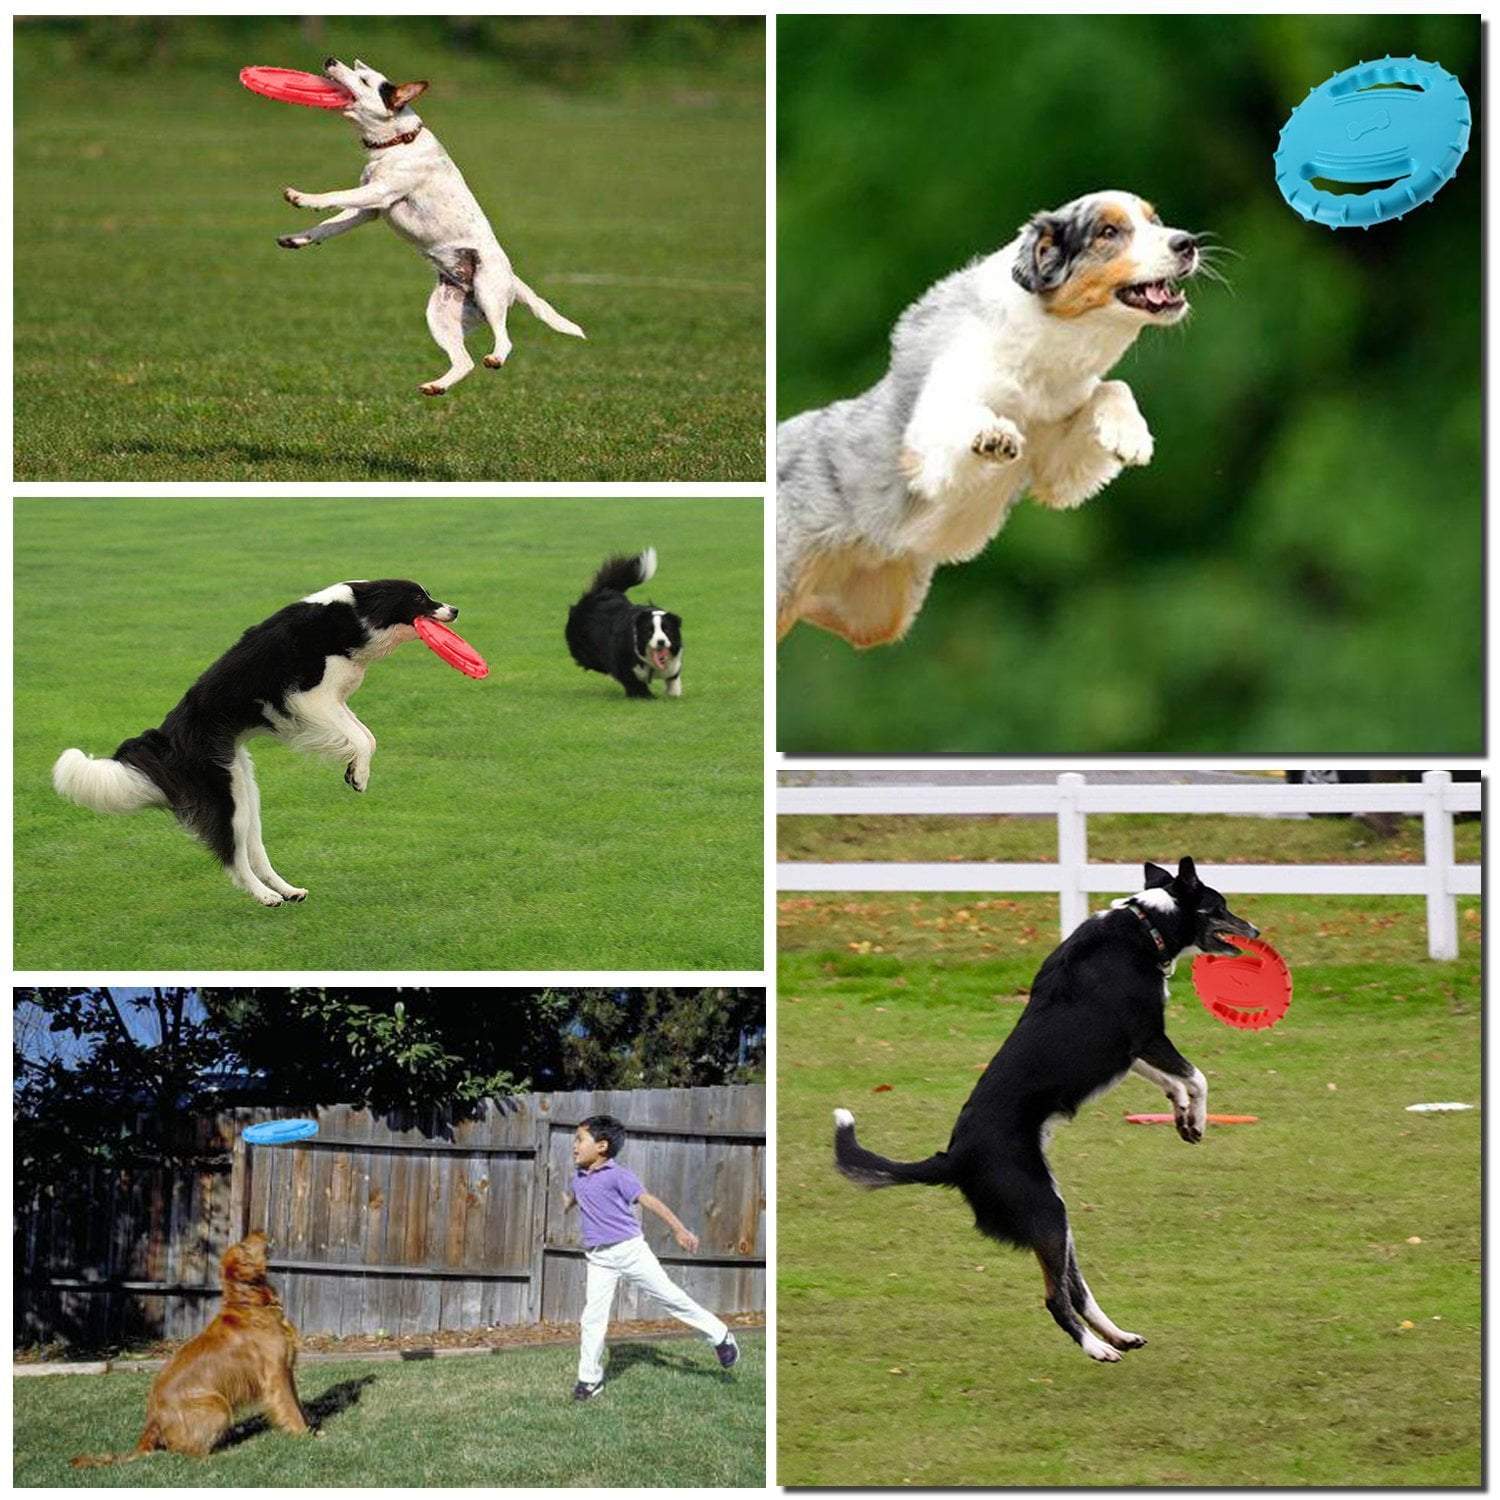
(1437, 842)
(1072, 852)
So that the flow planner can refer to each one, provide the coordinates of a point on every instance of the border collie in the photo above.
(1096, 1013)
(290, 677)
(633, 643)
(996, 386)
(411, 182)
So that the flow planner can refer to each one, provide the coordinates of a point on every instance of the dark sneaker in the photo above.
(728, 1351)
(583, 1390)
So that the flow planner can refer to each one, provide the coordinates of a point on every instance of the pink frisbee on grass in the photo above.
(293, 87)
(451, 646)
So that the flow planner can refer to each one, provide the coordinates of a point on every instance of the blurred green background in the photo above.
(1300, 568)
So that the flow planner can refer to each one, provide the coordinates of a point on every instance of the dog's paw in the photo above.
(267, 897)
(358, 778)
(1000, 441)
(292, 196)
(674, 688)
(493, 362)
(1189, 1129)
(1123, 1340)
(1125, 435)
(292, 241)
(1098, 1349)
(433, 388)
(294, 893)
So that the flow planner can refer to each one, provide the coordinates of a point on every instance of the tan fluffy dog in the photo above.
(244, 1357)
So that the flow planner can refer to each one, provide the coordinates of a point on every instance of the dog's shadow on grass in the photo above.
(319, 462)
(333, 1402)
(624, 1358)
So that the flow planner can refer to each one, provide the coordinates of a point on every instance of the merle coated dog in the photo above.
(633, 643)
(1096, 1013)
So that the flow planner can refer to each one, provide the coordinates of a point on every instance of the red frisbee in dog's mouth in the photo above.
(1250, 990)
(451, 646)
(293, 87)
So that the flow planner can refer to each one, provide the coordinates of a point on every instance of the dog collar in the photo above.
(395, 140)
(1150, 926)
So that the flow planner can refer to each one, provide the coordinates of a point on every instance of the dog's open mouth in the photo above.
(661, 657)
(1153, 296)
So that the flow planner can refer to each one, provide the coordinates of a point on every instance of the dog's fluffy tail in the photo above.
(543, 309)
(624, 572)
(872, 1171)
(106, 786)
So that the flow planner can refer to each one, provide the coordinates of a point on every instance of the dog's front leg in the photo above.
(1182, 1083)
(351, 218)
(357, 772)
(1118, 426)
(367, 195)
(952, 434)
(1074, 459)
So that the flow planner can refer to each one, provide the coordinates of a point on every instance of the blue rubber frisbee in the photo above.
(1400, 122)
(279, 1132)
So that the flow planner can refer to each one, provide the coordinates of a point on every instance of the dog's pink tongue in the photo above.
(661, 657)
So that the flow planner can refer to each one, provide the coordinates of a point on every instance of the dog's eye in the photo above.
(1109, 232)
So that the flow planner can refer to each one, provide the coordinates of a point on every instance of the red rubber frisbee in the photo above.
(1212, 1119)
(451, 646)
(292, 87)
(1250, 990)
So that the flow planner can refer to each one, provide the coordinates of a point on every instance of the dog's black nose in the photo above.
(330, 62)
(454, 608)
(1182, 244)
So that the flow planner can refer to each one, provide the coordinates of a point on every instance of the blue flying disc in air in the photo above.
(1401, 122)
(279, 1132)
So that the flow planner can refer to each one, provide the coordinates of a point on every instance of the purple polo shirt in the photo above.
(604, 1198)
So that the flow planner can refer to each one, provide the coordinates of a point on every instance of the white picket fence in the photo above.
(1072, 799)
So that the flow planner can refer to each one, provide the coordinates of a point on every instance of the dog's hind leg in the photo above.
(492, 294)
(1093, 1314)
(1053, 1246)
(445, 322)
(244, 820)
(260, 861)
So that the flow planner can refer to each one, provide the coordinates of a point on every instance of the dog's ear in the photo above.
(1187, 872)
(398, 95)
(1156, 876)
(1045, 254)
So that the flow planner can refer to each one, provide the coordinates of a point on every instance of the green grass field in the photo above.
(1310, 1285)
(190, 347)
(512, 822)
(668, 1417)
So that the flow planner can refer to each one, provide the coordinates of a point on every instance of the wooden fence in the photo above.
(385, 1224)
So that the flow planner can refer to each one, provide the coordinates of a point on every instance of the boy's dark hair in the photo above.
(607, 1129)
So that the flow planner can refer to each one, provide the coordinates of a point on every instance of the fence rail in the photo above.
(390, 1224)
(1439, 878)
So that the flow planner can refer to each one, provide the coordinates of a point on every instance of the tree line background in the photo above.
(103, 1074)
(1299, 569)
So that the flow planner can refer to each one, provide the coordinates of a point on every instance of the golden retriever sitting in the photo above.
(243, 1358)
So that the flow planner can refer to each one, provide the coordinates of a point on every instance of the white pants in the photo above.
(632, 1261)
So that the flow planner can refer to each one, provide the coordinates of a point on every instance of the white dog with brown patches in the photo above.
(411, 182)
(996, 388)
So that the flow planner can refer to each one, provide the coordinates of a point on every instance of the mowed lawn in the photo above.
(535, 819)
(669, 1416)
(1310, 1285)
(188, 346)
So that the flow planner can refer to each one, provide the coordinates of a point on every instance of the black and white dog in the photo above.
(633, 643)
(1096, 1013)
(291, 677)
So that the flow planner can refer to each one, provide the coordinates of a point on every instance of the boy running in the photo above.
(614, 1248)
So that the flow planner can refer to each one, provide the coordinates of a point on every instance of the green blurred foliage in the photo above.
(600, 54)
(1300, 568)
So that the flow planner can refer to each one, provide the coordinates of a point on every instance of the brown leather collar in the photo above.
(1156, 937)
(395, 140)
